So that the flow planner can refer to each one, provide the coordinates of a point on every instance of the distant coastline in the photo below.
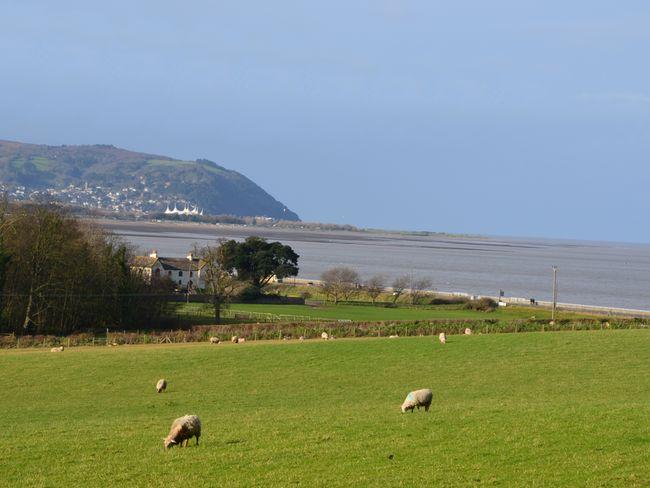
(603, 274)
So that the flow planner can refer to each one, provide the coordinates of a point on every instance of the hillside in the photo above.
(103, 176)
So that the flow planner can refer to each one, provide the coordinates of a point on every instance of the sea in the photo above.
(607, 274)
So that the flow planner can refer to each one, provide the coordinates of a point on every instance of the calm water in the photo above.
(590, 273)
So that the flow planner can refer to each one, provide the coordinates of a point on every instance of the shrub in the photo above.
(250, 294)
(482, 304)
(448, 301)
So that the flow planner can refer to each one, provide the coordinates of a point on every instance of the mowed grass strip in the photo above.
(375, 313)
(537, 409)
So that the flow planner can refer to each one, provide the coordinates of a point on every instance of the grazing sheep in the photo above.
(468, 331)
(57, 349)
(182, 430)
(301, 338)
(161, 385)
(214, 340)
(234, 339)
(417, 398)
(393, 336)
(324, 335)
(241, 340)
(443, 338)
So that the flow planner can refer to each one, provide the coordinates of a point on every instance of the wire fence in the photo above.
(305, 330)
(269, 317)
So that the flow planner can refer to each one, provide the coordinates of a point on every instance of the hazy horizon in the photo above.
(501, 119)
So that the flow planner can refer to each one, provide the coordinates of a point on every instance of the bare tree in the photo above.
(375, 286)
(340, 283)
(61, 275)
(399, 285)
(220, 281)
(418, 288)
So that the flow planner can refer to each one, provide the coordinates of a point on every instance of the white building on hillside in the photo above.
(187, 210)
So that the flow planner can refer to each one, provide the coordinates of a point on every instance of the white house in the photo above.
(181, 271)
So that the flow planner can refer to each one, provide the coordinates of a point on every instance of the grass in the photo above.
(41, 163)
(173, 163)
(537, 409)
(371, 313)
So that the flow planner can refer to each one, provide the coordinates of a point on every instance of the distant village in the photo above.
(132, 202)
(136, 201)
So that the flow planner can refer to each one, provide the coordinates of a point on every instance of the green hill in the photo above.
(154, 180)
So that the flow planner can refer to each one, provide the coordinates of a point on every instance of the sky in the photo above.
(507, 117)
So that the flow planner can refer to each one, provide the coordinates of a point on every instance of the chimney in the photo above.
(154, 254)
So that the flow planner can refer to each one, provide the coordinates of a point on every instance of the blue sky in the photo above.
(508, 117)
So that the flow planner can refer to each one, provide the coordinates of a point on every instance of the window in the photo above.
(180, 282)
(180, 273)
(191, 273)
(169, 273)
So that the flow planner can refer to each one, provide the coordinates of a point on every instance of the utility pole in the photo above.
(554, 292)
(189, 275)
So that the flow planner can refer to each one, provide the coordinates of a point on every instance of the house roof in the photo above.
(167, 264)
(179, 264)
(143, 261)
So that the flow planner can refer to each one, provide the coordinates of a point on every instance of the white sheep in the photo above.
(417, 398)
(161, 385)
(57, 349)
(182, 430)
(442, 337)
(393, 336)
(214, 340)
(234, 339)
(468, 331)
(324, 335)
(241, 340)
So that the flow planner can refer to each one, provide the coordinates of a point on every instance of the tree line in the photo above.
(59, 274)
(343, 283)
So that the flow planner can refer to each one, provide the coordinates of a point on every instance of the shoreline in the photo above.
(525, 302)
(438, 245)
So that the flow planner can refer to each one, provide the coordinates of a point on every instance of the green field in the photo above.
(41, 163)
(536, 409)
(375, 313)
